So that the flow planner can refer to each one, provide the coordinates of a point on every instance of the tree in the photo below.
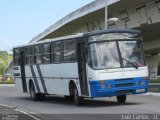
(2, 68)
(4, 60)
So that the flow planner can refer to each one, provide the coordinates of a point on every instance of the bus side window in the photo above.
(47, 53)
(56, 52)
(69, 51)
(29, 53)
(38, 54)
(16, 57)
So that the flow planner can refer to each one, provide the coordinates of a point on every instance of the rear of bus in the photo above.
(116, 64)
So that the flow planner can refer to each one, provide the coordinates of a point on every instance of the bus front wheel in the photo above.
(77, 99)
(121, 99)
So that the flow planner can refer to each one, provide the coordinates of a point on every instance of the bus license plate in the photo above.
(140, 90)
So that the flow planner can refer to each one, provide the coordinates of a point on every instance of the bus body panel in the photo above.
(18, 84)
(120, 73)
(17, 77)
(107, 83)
(56, 77)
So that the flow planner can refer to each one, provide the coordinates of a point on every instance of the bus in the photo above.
(102, 63)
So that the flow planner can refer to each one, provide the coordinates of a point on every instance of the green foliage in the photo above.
(7, 82)
(5, 58)
(154, 81)
(2, 68)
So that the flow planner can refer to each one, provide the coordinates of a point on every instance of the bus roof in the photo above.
(51, 40)
(112, 31)
(81, 35)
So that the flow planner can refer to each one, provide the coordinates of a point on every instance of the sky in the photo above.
(21, 20)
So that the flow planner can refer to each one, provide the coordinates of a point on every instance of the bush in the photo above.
(154, 81)
(7, 82)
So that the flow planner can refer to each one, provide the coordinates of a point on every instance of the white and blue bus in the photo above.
(103, 63)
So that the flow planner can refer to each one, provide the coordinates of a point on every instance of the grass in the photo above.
(7, 82)
(154, 81)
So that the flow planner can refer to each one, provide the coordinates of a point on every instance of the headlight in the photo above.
(143, 83)
(107, 86)
(138, 83)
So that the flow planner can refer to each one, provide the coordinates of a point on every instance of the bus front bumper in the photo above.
(117, 88)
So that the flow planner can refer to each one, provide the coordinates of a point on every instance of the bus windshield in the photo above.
(110, 54)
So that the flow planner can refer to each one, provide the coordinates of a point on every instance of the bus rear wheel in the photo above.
(77, 99)
(121, 99)
(36, 96)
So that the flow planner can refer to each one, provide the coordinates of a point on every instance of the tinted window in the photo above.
(47, 48)
(47, 53)
(16, 52)
(69, 51)
(56, 52)
(38, 49)
(16, 57)
(29, 50)
(29, 53)
(38, 54)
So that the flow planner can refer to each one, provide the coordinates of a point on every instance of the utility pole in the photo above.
(106, 14)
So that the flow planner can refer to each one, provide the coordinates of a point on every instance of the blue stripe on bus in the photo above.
(42, 79)
(35, 79)
(118, 87)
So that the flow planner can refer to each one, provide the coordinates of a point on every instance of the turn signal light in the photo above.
(102, 82)
(144, 78)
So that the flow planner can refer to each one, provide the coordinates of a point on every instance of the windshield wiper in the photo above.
(135, 66)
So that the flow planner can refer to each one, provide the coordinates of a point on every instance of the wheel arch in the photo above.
(30, 83)
(71, 86)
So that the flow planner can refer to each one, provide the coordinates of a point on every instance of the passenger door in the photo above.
(22, 67)
(82, 59)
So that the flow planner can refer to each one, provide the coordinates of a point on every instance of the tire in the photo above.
(77, 99)
(42, 97)
(36, 96)
(121, 99)
(69, 97)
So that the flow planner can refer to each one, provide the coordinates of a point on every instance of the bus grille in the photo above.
(124, 85)
(124, 79)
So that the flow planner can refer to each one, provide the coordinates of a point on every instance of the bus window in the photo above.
(29, 51)
(131, 50)
(104, 55)
(56, 52)
(38, 54)
(16, 57)
(47, 53)
(69, 51)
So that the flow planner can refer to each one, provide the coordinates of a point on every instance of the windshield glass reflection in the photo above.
(104, 55)
(131, 53)
(109, 53)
